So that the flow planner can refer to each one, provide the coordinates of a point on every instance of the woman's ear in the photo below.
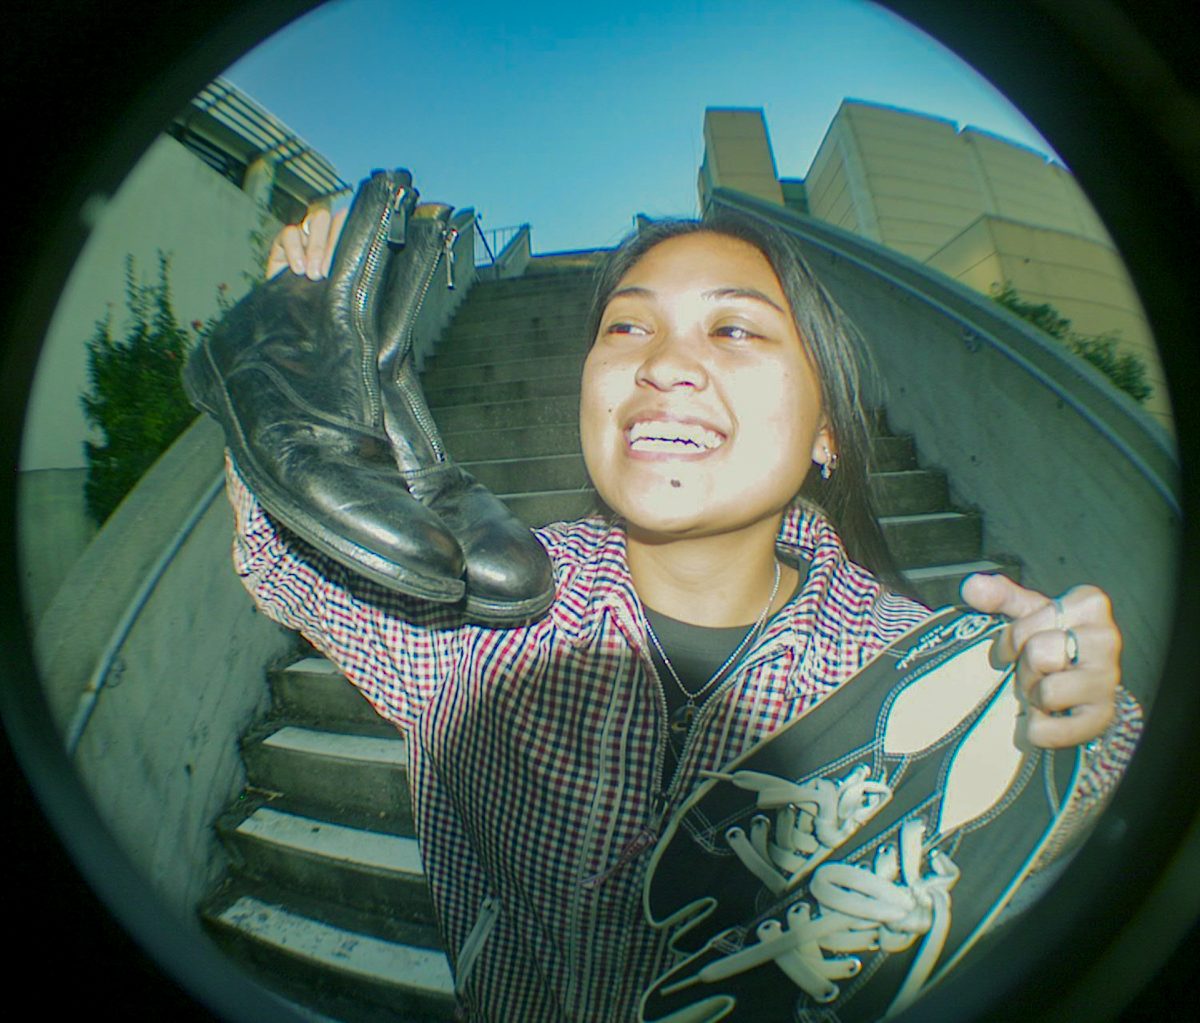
(824, 450)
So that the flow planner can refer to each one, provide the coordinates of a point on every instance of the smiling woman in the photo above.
(807, 341)
(705, 369)
(1155, 815)
(699, 375)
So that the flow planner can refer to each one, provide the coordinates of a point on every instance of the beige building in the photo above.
(223, 170)
(980, 208)
(737, 154)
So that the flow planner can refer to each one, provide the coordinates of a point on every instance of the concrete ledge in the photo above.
(159, 755)
(84, 611)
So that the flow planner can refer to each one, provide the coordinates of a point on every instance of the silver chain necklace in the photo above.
(681, 720)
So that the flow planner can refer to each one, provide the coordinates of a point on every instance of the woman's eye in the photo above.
(735, 332)
(624, 327)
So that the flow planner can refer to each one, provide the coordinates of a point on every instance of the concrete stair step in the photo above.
(493, 349)
(332, 774)
(504, 415)
(521, 475)
(563, 304)
(932, 538)
(938, 585)
(554, 264)
(367, 869)
(500, 318)
(559, 303)
(320, 956)
(475, 445)
(475, 373)
(312, 691)
(909, 491)
(892, 453)
(540, 284)
(540, 507)
(472, 395)
(569, 332)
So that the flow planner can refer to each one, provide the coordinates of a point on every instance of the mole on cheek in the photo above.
(676, 483)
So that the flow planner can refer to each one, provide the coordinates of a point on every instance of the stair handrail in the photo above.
(482, 234)
(89, 698)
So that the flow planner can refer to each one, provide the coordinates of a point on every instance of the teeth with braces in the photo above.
(659, 435)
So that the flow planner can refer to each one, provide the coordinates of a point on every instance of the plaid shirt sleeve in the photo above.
(395, 650)
(1105, 759)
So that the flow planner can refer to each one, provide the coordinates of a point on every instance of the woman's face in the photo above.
(701, 410)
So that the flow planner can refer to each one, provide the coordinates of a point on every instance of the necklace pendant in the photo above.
(681, 720)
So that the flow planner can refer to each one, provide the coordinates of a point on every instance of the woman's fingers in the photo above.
(307, 248)
(315, 229)
(334, 232)
(1066, 653)
(287, 252)
(1059, 731)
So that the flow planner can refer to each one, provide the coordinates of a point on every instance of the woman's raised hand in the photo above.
(307, 248)
(1067, 651)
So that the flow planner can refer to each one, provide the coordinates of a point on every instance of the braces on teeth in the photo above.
(668, 436)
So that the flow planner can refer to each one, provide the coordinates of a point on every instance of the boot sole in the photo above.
(508, 614)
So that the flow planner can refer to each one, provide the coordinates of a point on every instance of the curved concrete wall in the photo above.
(1073, 477)
(159, 754)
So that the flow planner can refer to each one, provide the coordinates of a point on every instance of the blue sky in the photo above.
(574, 117)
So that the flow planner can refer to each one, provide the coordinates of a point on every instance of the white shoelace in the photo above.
(886, 906)
(811, 821)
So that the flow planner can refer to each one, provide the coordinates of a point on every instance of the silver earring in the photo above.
(830, 465)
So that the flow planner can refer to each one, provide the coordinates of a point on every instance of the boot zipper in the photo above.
(398, 227)
(406, 383)
(448, 248)
(363, 287)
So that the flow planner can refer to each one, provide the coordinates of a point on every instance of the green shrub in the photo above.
(1125, 369)
(135, 397)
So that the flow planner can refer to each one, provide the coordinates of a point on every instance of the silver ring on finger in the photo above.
(1071, 645)
(1060, 615)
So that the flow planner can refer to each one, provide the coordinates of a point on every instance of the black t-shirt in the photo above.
(696, 653)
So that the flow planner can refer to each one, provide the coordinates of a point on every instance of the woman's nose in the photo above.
(671, 362)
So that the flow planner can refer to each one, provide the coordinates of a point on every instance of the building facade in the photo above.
(982, 209)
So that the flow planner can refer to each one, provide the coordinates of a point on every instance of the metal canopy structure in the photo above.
(229, 130)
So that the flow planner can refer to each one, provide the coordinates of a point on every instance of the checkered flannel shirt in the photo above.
(536, 755)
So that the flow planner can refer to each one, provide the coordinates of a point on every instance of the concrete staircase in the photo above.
(326, 900)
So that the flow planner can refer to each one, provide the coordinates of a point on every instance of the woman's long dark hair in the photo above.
(837, 350)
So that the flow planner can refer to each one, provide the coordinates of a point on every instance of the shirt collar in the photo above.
(599, 583)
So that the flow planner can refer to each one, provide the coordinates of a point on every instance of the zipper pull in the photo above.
(448, 241)
(398, 226)
(637, 845)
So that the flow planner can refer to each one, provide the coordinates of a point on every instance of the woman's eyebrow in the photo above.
(631, 289)
(751, 293)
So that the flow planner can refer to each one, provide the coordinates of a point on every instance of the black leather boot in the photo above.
(291, 374)
(509, 576)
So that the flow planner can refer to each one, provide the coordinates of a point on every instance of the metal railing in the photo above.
(490, 243)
